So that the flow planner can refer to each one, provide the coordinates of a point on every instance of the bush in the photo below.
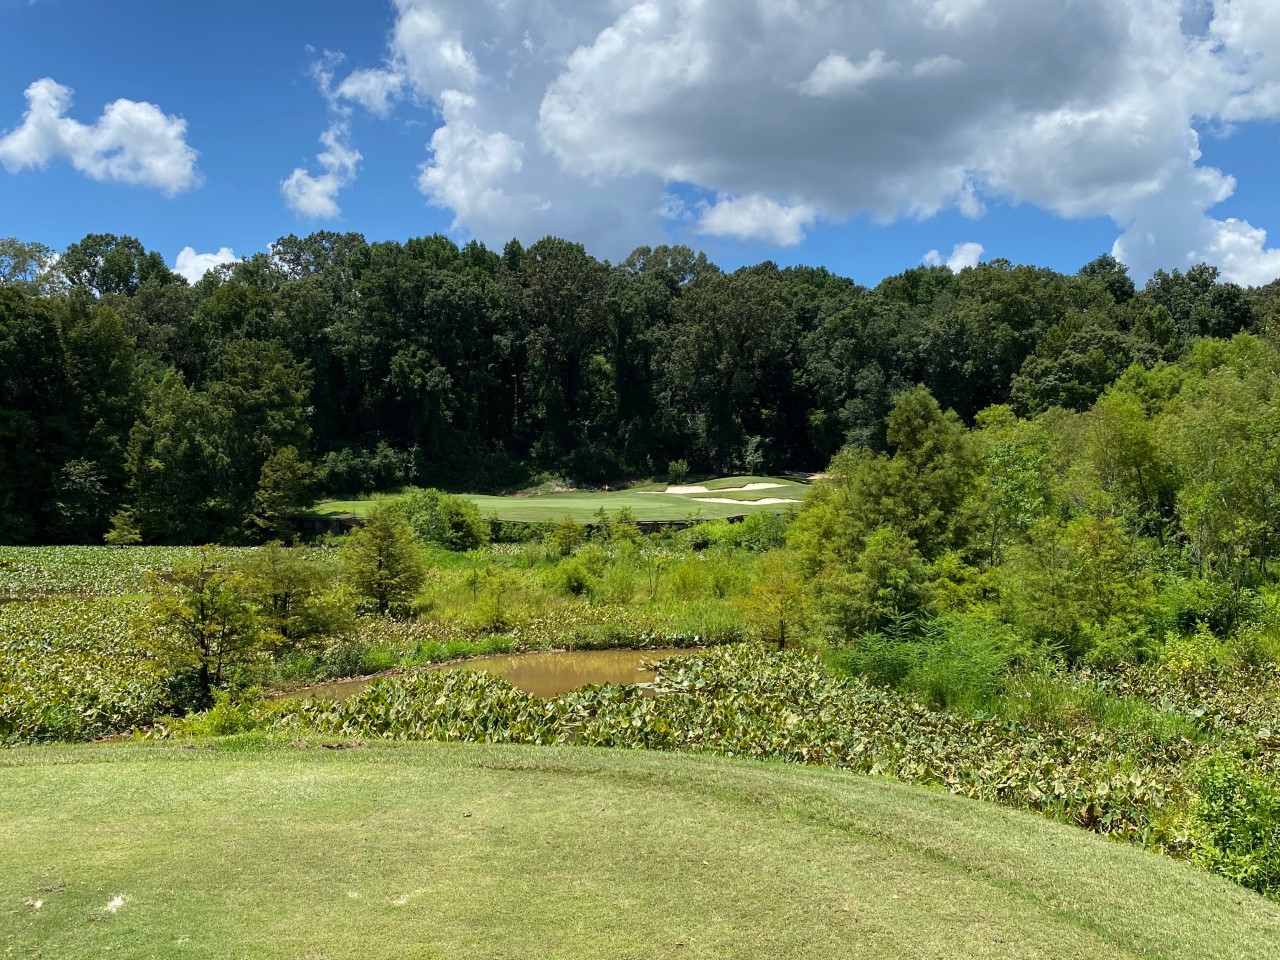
(1236, 824)
(759, 532)
(955, 662)
(504, 531)
(678, 471)
(572, 577)
(1195, 657)
(448, 521)
(1115, 643)
(1257, 645)
(727, 575)
(229, 715)
(566, 536)
(964, 663)
(353, 660)
(878, 658)
(353, 471)
(687, 580)
(621, 527)
(1186, 603)
(619, 583)
(700, 536)
(595, 558)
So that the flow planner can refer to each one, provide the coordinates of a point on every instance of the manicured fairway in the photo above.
(647, 502)
(427, 850)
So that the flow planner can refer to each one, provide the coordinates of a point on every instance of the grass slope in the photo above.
(416, 851)
(647, 502)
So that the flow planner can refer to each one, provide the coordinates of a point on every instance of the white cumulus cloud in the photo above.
(963, 256)
(315, 196)
(1240, 250)
(469, 166)
(757, 217)
(427, 44)
(1249, 32)
(194, 265)
(131, 142)
(585, 118)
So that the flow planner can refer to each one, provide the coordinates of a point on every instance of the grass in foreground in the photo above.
(465, 851)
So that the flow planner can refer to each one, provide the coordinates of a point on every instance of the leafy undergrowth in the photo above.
(1134, 783)
(76, 669)
(1241, 703)
(35, 572)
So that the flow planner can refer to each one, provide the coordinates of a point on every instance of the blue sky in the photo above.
(848, 137)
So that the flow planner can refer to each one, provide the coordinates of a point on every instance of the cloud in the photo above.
(375, 90)
(963, 256)
(757, 217)
(836, 74)
(194, 265)
(316, 197)
(469, 166)
(578, 118)
(481, 70)
(937, 66)
(1249, 34)
(427, 44)
(131, 142)
(1240, 250)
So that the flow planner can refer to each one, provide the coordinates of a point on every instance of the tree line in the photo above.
(330, 365)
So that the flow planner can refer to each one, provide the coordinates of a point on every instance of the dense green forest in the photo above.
(331, 365)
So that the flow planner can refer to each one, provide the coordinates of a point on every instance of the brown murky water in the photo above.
(542, 674)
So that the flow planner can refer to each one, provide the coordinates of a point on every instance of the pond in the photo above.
(541, 674)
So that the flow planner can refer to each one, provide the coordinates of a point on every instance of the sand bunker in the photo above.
(766, 502)
(747, 489)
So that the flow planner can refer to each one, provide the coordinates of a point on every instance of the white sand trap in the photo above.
(766, 502)
(749, 488)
